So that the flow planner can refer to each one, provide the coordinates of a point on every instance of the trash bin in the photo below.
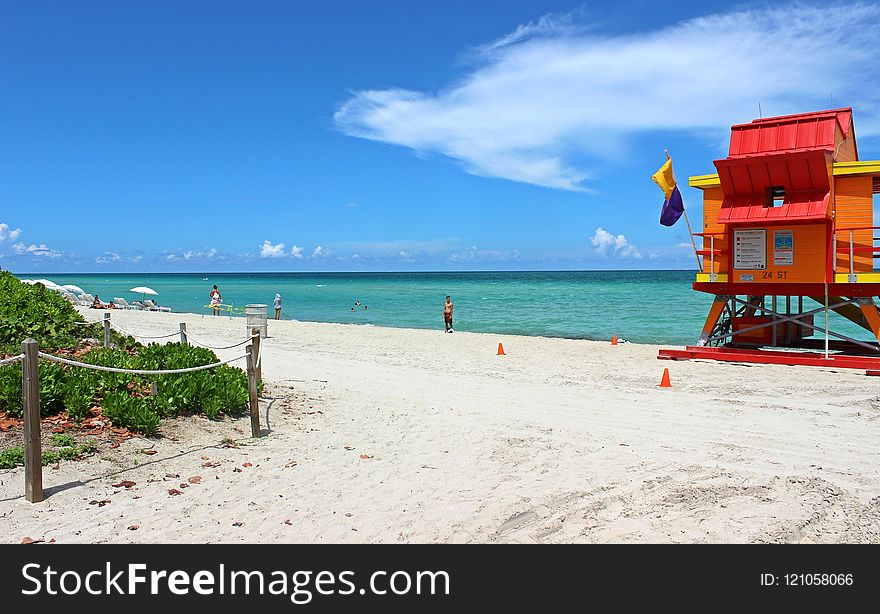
(257, 318)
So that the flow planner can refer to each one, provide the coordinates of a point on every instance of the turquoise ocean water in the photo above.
(639, 306)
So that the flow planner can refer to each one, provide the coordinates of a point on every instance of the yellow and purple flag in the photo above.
(673, 206)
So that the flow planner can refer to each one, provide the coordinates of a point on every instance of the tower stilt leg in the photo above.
(872, 316)
(712, 319)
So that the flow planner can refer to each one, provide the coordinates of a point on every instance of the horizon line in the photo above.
(340, 272)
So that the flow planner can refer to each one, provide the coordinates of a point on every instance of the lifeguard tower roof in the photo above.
(802, 132)
(793, 155)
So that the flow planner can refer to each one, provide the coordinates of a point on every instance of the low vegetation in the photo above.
(66, 449)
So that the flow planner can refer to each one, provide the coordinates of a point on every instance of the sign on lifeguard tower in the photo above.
(788, 236)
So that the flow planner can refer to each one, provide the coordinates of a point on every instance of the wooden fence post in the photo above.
(255, 339)
(183, 338)
(33, 449)
(253, 399)
(107, 329)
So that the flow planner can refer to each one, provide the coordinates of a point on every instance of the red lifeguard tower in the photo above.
(788, 217)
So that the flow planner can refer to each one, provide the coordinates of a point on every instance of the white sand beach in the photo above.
(394, 435)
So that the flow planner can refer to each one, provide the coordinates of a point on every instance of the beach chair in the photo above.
(71, 298)
(121, 303)
(152, 306)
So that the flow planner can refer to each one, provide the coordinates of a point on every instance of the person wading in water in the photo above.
(447, 314)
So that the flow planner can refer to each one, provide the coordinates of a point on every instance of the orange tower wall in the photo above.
(854, 208)
(810, 248)
(712, 198)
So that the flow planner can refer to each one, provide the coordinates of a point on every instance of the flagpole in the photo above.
(687, 221)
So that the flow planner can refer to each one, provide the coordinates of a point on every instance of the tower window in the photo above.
(774, 196)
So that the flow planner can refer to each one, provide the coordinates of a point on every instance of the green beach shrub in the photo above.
(11, 457)
(87, 447)
(231, 389)
(68, 453)
(10, 389)
(33, 311)
(14, 457)
(78, 391)
(213, 392)
(174, 356)
(51, 389)
(110, 357)
(135, 413)
(62, 439)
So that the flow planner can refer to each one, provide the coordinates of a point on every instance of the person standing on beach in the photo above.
(277, 306)
(216, 300)
(447, 314)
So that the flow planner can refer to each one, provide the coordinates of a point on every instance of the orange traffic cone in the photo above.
(664, 381)
(614, 340)
(500, 350)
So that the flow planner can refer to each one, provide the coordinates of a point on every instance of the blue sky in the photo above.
(391, 135)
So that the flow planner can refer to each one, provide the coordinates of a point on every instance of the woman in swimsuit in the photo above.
(216, 300)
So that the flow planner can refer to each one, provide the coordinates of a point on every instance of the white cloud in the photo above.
(268, 250)
(351, 205)
(608, 244)
(107, 258)
(550, 95)
(137, 258)
(8, 233)
(277, 250)
(193, 255)
(319, 252)
(473, 254)
(36, 250)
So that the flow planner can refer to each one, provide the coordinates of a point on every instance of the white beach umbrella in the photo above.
(143, 291)
(46, 282)
(73, 288)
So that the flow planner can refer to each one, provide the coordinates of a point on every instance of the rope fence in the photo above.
(10, 360)
(85, 365)
(186, 337)
(216, 347)
(139, 336)
(182, 332)
(30, 380)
